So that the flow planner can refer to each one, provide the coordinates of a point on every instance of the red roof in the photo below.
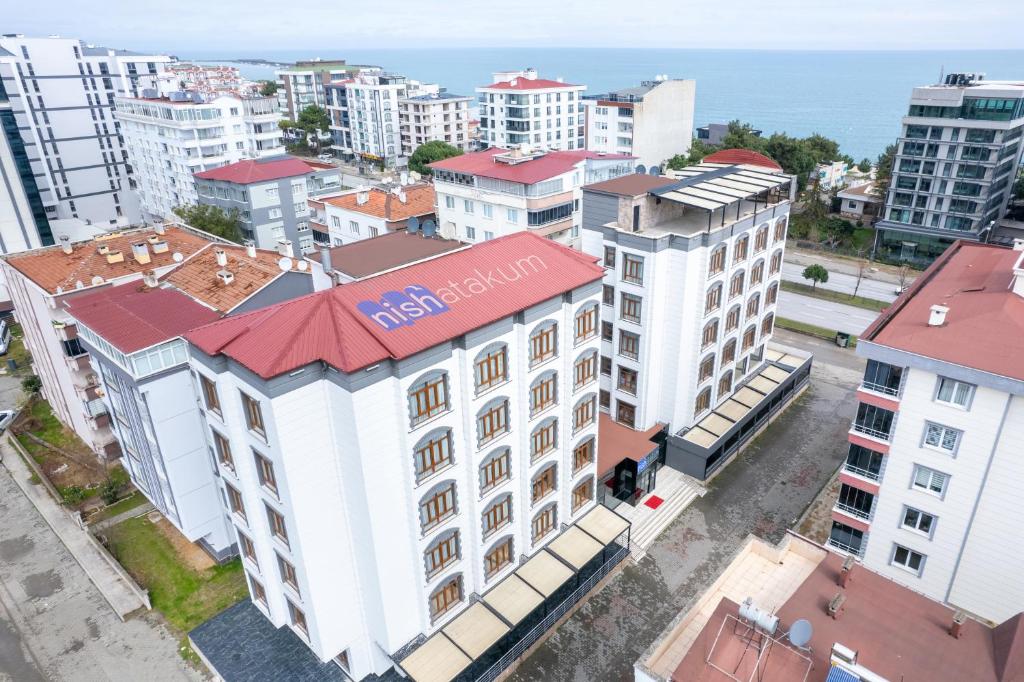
(746, 157)
(132, 316)
(528, 84)
(250, 170)
(984, 328)
(550, 165)
(460, 291)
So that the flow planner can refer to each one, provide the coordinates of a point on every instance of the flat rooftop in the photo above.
(368, 257)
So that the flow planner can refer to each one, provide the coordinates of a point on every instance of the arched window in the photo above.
(736, 284)
(710, 334)
(753, 305)
(740, 250)
(732, 319)
(703, 402)
(544, 438)
(772, 295)
(780, 229)
(490, 367)
(428, 397)
(495, 469)
(543, 483)
(582, 493)
(543, 342)
(713, 299)
(497, 515)
(776, 262)
(446, 597)
(724, 384)
(749, 337)
(437, 505)
(498, 557)
(442, 553)
(584, 413)
(388, 128)
(543, 392)
(728, 352)
(707, 368)
(761, 239)
(767, 324)
(433, 453)
(757, 273)
(584, 370)
(716, 263)
(492, 421)
(586, 323)
(544, 522)
(583, 454)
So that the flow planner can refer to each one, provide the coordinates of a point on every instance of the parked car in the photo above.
(5, 336)
(6, 417)
(326, 157)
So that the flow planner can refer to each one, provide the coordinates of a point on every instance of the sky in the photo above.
(249, 26)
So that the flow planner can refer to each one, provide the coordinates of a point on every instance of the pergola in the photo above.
(717, 187)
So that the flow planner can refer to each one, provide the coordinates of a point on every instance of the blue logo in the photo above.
(402, 308)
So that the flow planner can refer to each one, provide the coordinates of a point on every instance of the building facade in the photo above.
(369, 212)
(169, 139)
(956, 160)
(270, 196)
(652, 122)
(519, 109)
(61, 92)
(24, 223)
(435, 454)
(488, 194)
(928, 492)
(305, 83)
(440, 116)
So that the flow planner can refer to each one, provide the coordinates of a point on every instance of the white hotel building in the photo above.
(406, 441)
(170, 138)
(930, 492)
(521, 110)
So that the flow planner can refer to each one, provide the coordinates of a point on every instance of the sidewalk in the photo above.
(114, 587)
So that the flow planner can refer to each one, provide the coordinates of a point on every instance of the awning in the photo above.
(603, 524)
(760, 383)
(790, 360)
(513, 599)
(576, 547)
(772, 355)
(544, 573)
(475, 630)
(776, 374)
(699, 436)
(733, 409)
(437, 660)
(747, 396)
(716, 424)
(715, 186)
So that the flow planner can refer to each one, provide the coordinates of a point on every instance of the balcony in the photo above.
(872, 432)
(852, 511)
(863, 473)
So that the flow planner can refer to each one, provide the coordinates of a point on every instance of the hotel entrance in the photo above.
(628, 461)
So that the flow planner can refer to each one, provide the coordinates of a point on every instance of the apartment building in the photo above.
(61, 92)
(24, 223)
(652, 122)
(692, 270)
(305, 83)
(436, 423)
(441, 116)
(519, 109)
(488, 194)
(928, 494)
(270, 196)
(209, 79)
(170, 138)
(369, 211)
(369, 257)
(40, 281)
(956, 159)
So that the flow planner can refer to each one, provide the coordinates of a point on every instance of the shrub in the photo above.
(31, 384)
(73, 494)
(111, 489)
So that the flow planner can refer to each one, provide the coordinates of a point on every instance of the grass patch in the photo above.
(835, 296)
(16, 350)
(185, 597)
(44, 425)
(121, 506)
(810, 330)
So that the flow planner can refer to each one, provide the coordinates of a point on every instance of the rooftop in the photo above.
(433, 96)
(198, 278)
(743, 157)
(865, 192)
(133, 316)
(356, 325)
(252, 170)
(984, 326)
(57, 272)
(528, 172)
(368, 257)
(620, 442)
(381, 203)
(523, 83)
(632, 185)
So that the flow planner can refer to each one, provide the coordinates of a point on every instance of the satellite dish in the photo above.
(413, 225)
(801, 632)
(429, 228)
(448, 231)
(97, 280)
(285, 263)
(654, 170)
(641, 169)
(302, 266)
(177, 257)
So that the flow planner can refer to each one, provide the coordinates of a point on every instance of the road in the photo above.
(764, 491)
(838, 281)
(844, 318)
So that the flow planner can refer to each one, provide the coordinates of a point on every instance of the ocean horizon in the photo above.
(854, 97)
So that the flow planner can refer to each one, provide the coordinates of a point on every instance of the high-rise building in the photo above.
(171, 137)
(23, 220)
(61, 93)
(305, 83)
(441, 116)
(956, 159)
(929, 494)
(519, 109)
(652, 122)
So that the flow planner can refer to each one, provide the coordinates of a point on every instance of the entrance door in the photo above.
(625, 481)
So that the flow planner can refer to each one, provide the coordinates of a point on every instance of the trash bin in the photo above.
(11, 365)
(842, 339)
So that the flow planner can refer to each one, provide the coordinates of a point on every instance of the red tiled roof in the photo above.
(250, 170)
(475, 284)
(984, 327)
(746, 157)
(132, 316)
(380, 203)
(550, 165)
(529, 84)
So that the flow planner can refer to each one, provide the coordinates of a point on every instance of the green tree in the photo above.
(741, 136)
(31, 384)
(429, 152)
(865, 165)
(883, 170)
(792, 154)
(816, 273)
(836, 230)
(822, 149)
(212, 219)
(698, 150)
(268, 88)
(313, 120)
(286, 124)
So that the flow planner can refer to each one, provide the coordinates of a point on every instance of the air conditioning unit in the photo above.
(844, 654)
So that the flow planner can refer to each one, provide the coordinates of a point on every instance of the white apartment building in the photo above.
(652, 122)
(369, 212)
(170, 138)
(441, 116)
(929, 493)
(519, 109)
(692, 270)
(62, 91)
(403, 442)
(23, 220)
(41, 280)
(305, 83)
(488, 194)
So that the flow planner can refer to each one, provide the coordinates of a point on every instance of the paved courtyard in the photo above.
(764, 492)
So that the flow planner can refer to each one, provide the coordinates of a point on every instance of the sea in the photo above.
(854, 97)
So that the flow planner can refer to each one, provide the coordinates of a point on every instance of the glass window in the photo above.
(492, 421)
(908, 559)
(584, 413)
(740, 250)
(627, 380)
(432, 454)
(713, 299)
(223, 449)
(210, 397)
(544, 522)
(437, 505)
(498, 557)
(446, 597)
(298, 618)
(497, 515)
(265, 472)
(629, 344)
(442, 553)
(586, 323)
(941, 437)
(629, 309)
(584, 370)
(428, 398)
(491, 368)
(930, 480)
(609, 256)
(915, 519)
(632, 268)
(954, 392)
(543, 343)
(582, 493)
(703, 401)
(716, 263)
(276, 523)
(543, 392)
(253, 415)
(495, 470)
(235, 501)
(582, 454)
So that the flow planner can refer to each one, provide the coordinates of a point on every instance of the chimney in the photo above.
(284, 248)
(846, 570)
(149, 279)
(159, 228)
(140, 252)
(938, 315)
(403, 197)
(362, 196)
(222, 257)
(225, 277)
(250, 248)
(325, 259)
(956, 629)
(65, 244)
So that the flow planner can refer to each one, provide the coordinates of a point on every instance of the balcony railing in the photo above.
(874, 433)
(880, 388)
(853, 511)
(856, 551)
(861, 472)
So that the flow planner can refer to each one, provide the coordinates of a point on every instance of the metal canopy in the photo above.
(513, 599)
(747, 396)
(776, 374)
(688, 200)
(746, 188)
(733, 409)
(575, 547)
(762, 384)
(716, 424)
(475, 630)
(699, 436)
(604, 524)
(544, 573)
(437, 660)
(714, 186)
(723, 187)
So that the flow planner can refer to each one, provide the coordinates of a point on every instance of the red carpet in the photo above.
(653, 501)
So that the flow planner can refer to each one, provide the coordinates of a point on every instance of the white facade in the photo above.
(521, 110)
(434, 116)
(653, 122)
(62, 92)
(170, 139)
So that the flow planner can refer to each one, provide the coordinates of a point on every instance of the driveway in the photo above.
(764, 491)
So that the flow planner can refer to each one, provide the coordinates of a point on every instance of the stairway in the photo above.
(678, 492)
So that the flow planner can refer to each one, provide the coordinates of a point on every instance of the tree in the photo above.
(268, 88)
(835, 230)
(822, 149)
(816, 273)
(429, 152)
(792, 154)
(31, 384)
(742, 136)
(212, 219)
(865, 165)
(286, 124)
(883, 171)
(698, 150)
(313, 121)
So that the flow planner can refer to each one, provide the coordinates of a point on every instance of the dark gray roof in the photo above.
(99, 51)
(437, 96)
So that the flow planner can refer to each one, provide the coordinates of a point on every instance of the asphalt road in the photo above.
(764, 491)
(838, 281)
(844, 318)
